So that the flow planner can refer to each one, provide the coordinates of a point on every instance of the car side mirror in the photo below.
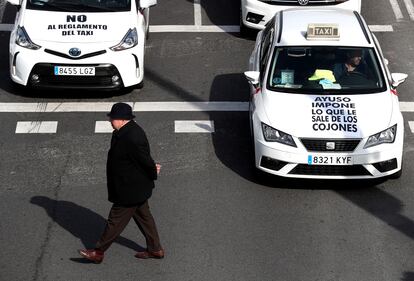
(398, 78)
(253, 77)
(147, 3)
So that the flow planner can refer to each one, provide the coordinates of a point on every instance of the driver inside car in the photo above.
(353, 63)
(354, 71)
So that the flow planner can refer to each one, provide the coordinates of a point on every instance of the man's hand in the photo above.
(158, 168)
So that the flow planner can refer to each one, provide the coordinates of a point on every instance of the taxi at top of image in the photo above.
(91, 44)
(323, 102)
(255, 14)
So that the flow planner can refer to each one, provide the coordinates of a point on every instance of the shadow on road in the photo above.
(408, 276)
(9, 13)
(383, 206)
(79, 221)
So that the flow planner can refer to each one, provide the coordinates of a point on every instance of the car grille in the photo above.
(341, 145)
(66, 56)
(329, 170)
(296, 2)
(101, 80)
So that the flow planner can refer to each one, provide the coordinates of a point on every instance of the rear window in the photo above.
(80, 5)
(325, 70)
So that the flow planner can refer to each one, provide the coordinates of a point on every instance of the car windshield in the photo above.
(325, 70)
(80, 5)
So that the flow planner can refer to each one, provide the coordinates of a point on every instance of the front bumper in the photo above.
(263, 12)
(127, 65)
(274, 158)
(103, 78)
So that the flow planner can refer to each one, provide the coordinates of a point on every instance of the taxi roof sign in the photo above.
(322, 31)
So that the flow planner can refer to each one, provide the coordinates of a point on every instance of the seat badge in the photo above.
(330, 145)
(74, 52)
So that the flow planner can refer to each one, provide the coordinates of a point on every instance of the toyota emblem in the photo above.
(303, 2)
(74, 52)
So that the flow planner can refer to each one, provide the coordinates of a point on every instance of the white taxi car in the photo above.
(255, 14)
(323, 102)
(93, 44)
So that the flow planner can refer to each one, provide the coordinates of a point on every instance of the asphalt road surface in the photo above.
(216, 220)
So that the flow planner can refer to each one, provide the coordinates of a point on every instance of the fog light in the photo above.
(272, 164)
(115, 78)
(387, 165)
(35, 78)
(254, 18)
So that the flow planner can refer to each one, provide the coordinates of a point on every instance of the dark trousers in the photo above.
(119, 217)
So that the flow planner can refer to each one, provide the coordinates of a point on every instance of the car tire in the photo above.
(147, 35)
(244, 30)
(140, 85)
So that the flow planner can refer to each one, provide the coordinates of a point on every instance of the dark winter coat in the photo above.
(130, 169)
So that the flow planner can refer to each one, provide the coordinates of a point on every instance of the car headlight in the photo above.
(386, 136)
(130, 40)
(272, 135)
(23, 39)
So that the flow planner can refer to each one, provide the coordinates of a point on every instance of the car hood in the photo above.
(85, 28)
(333, 116)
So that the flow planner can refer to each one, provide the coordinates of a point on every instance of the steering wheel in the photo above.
(357, 73)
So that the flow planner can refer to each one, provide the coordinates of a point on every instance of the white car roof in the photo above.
(353, 30)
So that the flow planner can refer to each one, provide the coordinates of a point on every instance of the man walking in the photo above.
(131, 172)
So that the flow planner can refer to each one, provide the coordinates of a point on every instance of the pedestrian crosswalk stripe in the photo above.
(194, 126)
(103, 127)
(411, 124)
(180, 126)
(36, 127)
(55, 107)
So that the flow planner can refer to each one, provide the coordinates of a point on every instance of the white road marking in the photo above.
(6, 27)
(396, 9)
(410, 8)
(194, 28)
(197, 12)
(381, 28)
(172, 106)
(194, 126)
(208, 28)
(103, 127)
(411, 124)
(406, 106)
(36, 127)
(137, 106)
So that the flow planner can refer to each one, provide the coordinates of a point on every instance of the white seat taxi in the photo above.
(256, 13)
(92, 44)
(323, 102)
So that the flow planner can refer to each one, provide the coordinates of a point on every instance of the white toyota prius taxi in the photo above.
(92, 44)
(256, 13)
(323, 102)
